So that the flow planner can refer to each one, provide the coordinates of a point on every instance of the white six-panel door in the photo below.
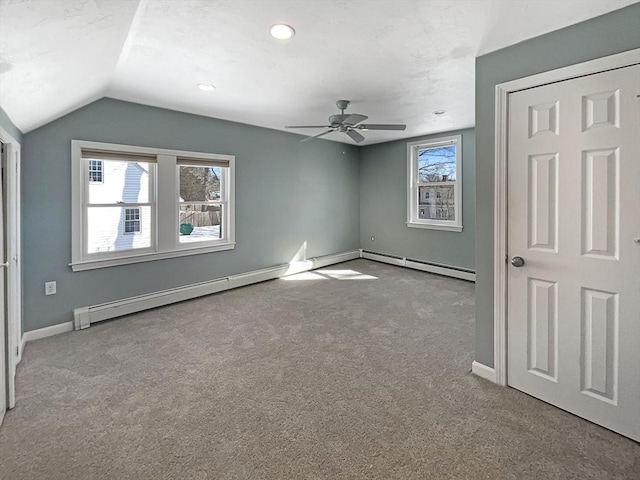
(574, 219)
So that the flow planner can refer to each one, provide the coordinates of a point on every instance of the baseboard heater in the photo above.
(437, 268)
(83, 317)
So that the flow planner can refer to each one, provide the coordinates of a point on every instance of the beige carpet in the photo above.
(339, 375)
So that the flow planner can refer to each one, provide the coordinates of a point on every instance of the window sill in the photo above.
(147, 257)
(435, 226)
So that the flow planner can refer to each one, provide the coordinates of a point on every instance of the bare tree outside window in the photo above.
(200, 205)
(436, 178)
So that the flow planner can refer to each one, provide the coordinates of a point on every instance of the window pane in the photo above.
(200, 223)
(437, 164)
(436, 202)
(109, 229)
(121, 182)
(200, 184)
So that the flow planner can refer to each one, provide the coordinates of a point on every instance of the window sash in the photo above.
(87, 182)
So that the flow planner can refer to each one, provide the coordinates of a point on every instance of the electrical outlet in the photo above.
(50, 288)
(373, 239)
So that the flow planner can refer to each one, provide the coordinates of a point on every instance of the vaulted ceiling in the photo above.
(398, 61)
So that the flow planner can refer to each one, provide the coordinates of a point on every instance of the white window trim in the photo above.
(412, 185)
(165, 244)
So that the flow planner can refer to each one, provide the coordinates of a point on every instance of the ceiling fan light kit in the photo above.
(348, 123)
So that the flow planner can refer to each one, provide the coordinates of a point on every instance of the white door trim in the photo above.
(503, 90)
(14, 280)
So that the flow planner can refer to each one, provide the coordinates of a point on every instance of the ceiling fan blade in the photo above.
(354, 118)
(316, 136)
(308, 126)
(381, 126)
(355, 136)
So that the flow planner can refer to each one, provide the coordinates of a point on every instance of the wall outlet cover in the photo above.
(50, 288)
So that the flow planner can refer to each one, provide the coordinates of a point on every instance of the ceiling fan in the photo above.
(348, 123)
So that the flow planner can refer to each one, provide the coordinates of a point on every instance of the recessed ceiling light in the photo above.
(281, 31)
(439, 112)
(206, 87)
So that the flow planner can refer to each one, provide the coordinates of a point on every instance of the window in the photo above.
(201, 201)
(132, 220)
(134, 204)
(434, 187)
(95, 171)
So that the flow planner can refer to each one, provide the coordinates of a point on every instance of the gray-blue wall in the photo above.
(7, 124)
(287, 193)
(609, 34)
(383, 206)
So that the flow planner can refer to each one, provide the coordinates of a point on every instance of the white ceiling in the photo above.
(397, 61)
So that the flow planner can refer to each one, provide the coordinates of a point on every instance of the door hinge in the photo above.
(17, 350)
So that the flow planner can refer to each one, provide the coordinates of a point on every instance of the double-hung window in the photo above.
(203, 200)
(134, 204)
(95, 171)
(132, 220)
(434, 186)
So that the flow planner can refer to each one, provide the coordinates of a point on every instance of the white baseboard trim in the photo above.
(446, 270)
(483, 371)
(85, 316)
(45, 332)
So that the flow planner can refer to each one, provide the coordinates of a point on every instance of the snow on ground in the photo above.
(201, 234)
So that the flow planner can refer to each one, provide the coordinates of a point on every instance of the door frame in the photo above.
(14, 258)
(500, 247)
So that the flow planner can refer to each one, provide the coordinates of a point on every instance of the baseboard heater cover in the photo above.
(83, 317)
(439, 269)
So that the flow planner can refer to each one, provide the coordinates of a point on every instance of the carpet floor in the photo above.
(357, 371)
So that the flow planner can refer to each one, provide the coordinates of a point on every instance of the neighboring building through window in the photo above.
(132, 220)
(127, 207)
(95, 171)
(434, 186)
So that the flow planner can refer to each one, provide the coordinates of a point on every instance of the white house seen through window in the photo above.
(135, 204)
(435, 184)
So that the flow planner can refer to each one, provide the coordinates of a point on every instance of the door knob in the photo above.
(517, 261)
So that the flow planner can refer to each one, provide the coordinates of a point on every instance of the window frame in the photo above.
(413, 184)
(164, 196)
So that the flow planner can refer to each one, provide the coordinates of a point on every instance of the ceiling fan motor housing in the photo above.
(342, 104)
